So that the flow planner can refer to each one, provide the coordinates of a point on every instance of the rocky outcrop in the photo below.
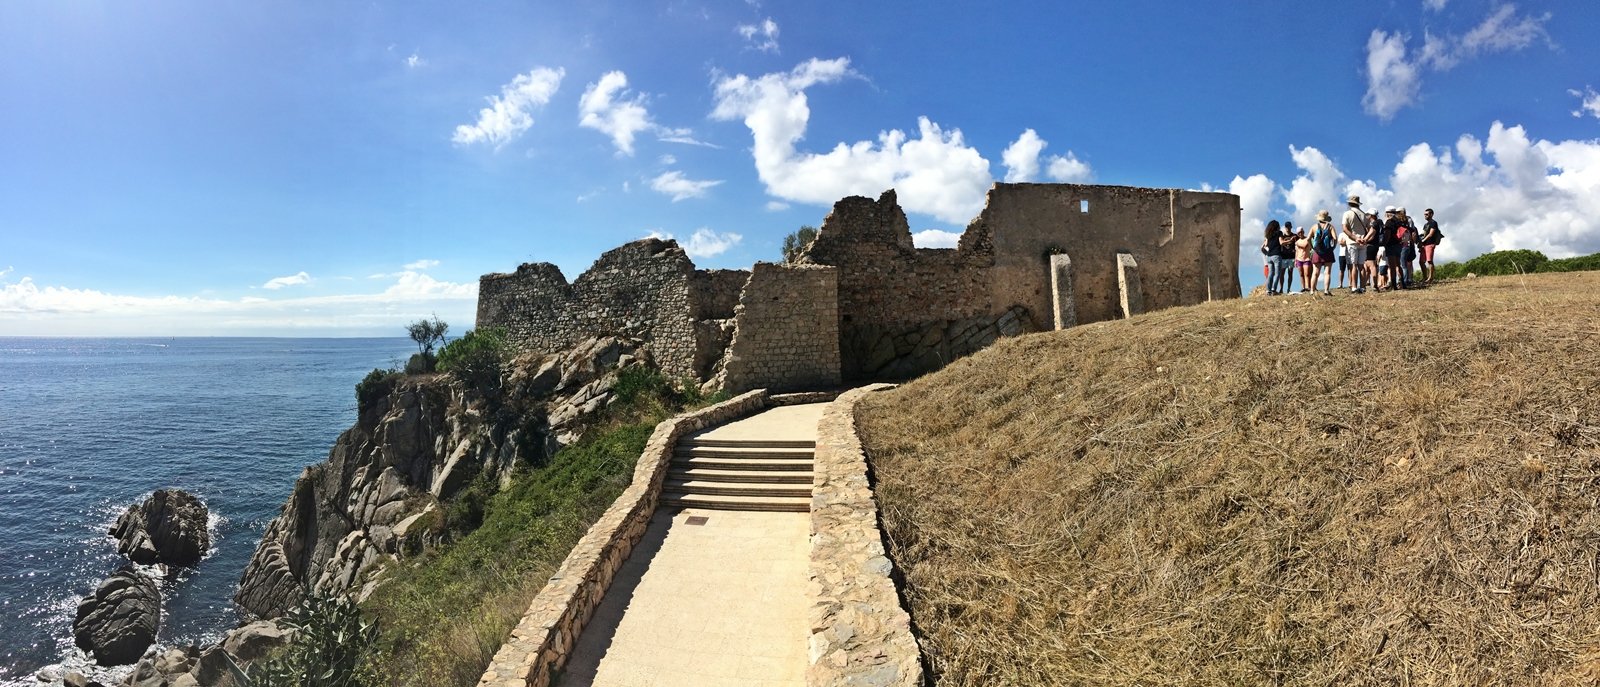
(193, 666)
(419, 445)
(169, 527)
(118, 622)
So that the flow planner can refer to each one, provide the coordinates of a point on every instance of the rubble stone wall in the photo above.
(639, 290)
(543, 640)
(861, 635)
(786, 330)
(904, 311)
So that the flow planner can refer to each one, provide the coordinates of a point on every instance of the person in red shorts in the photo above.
(1430, 241)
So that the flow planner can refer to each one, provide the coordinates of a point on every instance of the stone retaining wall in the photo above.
(542, 641)
(861, 635)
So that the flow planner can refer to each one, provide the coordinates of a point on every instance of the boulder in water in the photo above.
(118, 622)
(169, 527)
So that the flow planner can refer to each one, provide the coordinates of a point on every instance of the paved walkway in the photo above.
(709, 598)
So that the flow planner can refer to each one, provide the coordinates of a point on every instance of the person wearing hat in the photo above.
(1322, 244)
(1393, 225)
(1355, 229)
(1408, 247)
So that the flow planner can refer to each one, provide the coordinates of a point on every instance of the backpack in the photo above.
(1322, 240)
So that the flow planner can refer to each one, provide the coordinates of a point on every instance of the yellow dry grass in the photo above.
(1384, 489)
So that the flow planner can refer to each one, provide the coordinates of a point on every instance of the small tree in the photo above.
(796, 243)
(476, 358)
(427, 333)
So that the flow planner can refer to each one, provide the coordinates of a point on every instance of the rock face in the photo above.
(119, 621)
(169, 527)
(409, 450)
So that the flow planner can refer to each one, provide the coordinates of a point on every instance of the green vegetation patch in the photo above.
(1507, 262)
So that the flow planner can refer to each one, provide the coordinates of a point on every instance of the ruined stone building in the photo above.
(862, 303)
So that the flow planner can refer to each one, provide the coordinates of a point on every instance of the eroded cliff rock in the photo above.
(374, 498)
(169, 527)
(119, 620)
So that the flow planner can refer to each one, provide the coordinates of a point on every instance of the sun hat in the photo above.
(1389, 209)
(1324, 215)
(1354, 200)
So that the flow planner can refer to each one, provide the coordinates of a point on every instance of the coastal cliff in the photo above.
(379, 494)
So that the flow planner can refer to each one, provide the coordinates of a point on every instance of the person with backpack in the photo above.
(1286, 266)
(1393, 227)
(1429, 242)
(1408, 248)
(1322, 246)
(1372, 241)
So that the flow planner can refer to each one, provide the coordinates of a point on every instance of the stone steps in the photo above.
(759, 476)
(736, 474)
(742, 452)
(788, 504)
(735, 488)
(746, 443)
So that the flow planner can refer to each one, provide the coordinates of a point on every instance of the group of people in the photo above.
(1371, 252)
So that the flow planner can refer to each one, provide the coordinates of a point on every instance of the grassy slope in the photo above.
(442, 618)
(1391, 489)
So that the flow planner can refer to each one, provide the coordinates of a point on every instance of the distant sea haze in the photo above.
(90, 426)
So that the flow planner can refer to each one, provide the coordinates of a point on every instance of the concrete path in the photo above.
(709, 598)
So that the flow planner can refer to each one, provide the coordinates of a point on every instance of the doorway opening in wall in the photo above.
(1083, 206)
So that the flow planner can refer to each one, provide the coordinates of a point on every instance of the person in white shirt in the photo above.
(1354, 227)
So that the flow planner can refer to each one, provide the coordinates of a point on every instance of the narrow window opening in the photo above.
(1083, 206)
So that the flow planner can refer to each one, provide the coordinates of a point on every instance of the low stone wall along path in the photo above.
(715, 593)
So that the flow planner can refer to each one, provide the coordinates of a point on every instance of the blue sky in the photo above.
(341, 168)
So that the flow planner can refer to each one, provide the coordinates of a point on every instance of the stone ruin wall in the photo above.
(787, 332)
(1039, 256)
(647, 290)
(905, 311)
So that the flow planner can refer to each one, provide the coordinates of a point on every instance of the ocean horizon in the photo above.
(92, 425)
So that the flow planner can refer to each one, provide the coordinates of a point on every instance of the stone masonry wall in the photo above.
(639, 290)
(715, 293)
(861, 635)
(541, 642)
(900, 308)
(786, 330)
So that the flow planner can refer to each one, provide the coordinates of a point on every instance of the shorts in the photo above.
(1409, 253)
(1393, 254)
(1301, 263)
(1344, 262)
(1372, 252)
(1322, 258)
(1427, 252)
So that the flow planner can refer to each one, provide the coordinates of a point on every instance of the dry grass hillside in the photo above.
(1384, 489)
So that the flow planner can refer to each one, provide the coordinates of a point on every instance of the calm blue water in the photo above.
(90, 426)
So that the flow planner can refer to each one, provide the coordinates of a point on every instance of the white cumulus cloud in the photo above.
(1393, 81)
(1022, 161)
(608, 106)
(772, 206)
(1502, 192)
(935, 172)
(935, 238)
(763, 36)
(296, 279)
(415, 60)
(674, 184)
(510, 113)
(704, 242)
(421, 264)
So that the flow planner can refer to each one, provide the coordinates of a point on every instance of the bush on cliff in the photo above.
(443, 617)
(377, 384)
(330, 647)
(477, 358)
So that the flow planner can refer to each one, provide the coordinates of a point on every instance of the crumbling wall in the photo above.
(1185, 243)
(786, 331)
(639, 290)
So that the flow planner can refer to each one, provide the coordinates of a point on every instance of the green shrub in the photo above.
(1581, 263)
(1498, 263)
(477, 358)
(330, 647)
(377, 384)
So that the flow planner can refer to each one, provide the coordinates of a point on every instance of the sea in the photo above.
(91, 426)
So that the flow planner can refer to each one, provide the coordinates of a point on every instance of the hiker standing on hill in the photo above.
(1272, 249)
(1355, 227)
(1392, 229)
(1372, 240)
(1286, 257)
(1302, 259)
(1344, 261)
(1322, 246)
(1408, 248)
(1430, 242)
